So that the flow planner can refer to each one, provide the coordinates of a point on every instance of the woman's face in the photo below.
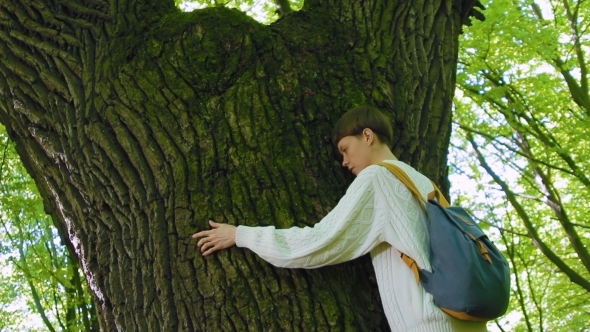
(356, 152)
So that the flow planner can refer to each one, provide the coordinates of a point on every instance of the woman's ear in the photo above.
(368, 136)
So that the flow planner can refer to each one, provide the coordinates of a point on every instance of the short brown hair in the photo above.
(355, 120)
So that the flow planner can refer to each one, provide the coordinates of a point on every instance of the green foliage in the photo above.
(522, 133)
(42, 288)
(264, 11)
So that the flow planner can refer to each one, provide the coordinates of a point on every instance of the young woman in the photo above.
(377, 215)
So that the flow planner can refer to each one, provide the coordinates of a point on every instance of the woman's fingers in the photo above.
(205, 246)
(207, 243)
(209, 251)
(210, 247)
(203, 241)
(201, 234)
(220, 236)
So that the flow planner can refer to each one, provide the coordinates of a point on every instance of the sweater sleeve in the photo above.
(347, 232)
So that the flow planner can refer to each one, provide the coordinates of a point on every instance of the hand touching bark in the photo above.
(221, 236)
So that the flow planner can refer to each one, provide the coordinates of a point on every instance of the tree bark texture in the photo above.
(139, 123)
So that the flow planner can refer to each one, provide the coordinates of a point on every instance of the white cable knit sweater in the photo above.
(378, 215)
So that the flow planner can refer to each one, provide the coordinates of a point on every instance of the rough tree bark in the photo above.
(139, 123)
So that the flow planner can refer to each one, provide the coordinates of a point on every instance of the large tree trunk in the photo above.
(139, 123)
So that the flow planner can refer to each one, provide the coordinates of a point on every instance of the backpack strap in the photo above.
(436, 193)
(411, 263)
(405, 179)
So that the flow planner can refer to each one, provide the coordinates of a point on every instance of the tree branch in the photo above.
(541, 133)
(471, 8)
(516, 275)
(554, 202)
(533, 294)
(283, 7)
(573, 275)
(580, 96)
(26, 272)
(80, 302)
(581, 226)
(580, 54)
(39, 306)
(514, 150)
(3, 163)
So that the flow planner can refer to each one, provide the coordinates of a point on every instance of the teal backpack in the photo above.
(470, 279)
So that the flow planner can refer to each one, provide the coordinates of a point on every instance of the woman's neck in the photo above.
(382, 152)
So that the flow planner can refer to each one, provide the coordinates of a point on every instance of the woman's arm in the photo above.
(350, 230)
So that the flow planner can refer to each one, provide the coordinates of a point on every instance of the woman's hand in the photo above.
(221, 236)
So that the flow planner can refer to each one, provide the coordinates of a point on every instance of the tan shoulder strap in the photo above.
(405, 179)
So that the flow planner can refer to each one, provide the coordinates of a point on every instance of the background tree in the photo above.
(39, 276)
(139, 122)
(524, 137)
